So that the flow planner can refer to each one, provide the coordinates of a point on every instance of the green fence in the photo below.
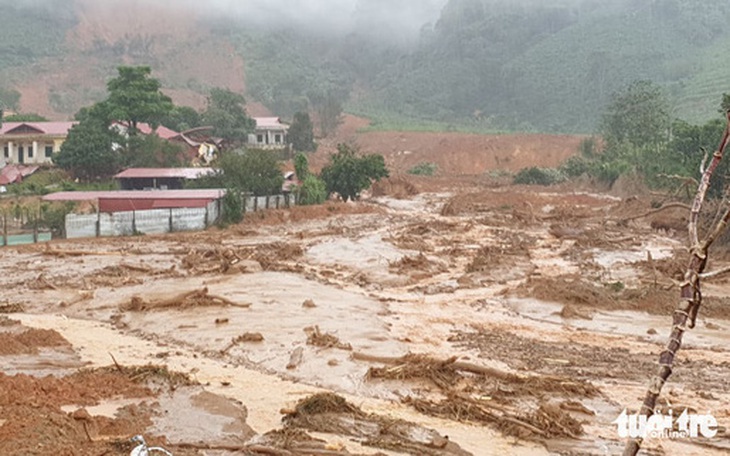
(28, 238)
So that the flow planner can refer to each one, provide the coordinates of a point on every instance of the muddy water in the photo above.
(277, 313)
(263, 394)
(45, 362)
(628, 323)
(385, 317)
(368, 254)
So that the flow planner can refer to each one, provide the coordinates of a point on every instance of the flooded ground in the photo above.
(489, 322)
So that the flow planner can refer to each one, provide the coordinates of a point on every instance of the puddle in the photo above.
(611, 259)
(107, 408)
(193, 415)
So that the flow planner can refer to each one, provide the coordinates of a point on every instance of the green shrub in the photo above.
(53, 216)
(232, 205)
(575, 166)
(312, 191)
(424, 169)
(539, 176)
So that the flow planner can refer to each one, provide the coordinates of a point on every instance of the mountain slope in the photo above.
(484, 65)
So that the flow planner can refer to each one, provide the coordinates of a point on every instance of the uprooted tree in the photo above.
(690, 297)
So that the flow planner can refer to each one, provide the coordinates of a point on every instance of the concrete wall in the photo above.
(80, 226)
(157, 221)
(154, 221)
(189, 219)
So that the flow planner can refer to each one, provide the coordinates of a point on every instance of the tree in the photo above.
(251, 170)
(301, 166)
(638, 116)
(135, 97)
(349, 175)
(30, 117)
(313, 191)
(226, 113)
(181, 118)
(685, 151)
(329, 108)
(301, 133)
(88, 151)
(9, 99)
(151, 151)
(635, 128)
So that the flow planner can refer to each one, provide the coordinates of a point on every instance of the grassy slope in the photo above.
(570, 76)
(699, 96)
(29, 34)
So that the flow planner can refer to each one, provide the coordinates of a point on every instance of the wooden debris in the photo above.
(195, 298)
(325, 340)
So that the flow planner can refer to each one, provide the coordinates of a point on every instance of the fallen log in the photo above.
(458, 365)
(194, 298)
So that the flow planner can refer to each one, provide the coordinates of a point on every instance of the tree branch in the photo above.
(690, 295)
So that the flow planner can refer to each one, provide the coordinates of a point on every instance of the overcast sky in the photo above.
(404, 16)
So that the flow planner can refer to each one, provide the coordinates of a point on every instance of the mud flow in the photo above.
(428, 319)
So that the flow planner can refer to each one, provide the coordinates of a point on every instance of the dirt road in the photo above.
(492, 321)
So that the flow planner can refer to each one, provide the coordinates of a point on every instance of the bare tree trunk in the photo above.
(690, 295)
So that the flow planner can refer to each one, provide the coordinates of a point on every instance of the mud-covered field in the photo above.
(465, 319)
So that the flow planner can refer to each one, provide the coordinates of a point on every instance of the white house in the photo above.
(32, 142)
(270, 133)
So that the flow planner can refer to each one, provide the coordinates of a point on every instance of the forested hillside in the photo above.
(528, 65)
(553, 65)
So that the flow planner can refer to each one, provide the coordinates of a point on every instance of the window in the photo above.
(49, 151)
(7, 152)
(30, 151)
(277, 139)
(260, 139)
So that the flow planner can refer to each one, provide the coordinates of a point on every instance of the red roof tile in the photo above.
(150, 173)
(269, 123)
(12, 174)
(145, 128)
(213, 193)
(48, 128)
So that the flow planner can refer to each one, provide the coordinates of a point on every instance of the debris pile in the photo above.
(474, 393)
(324, 340)
(195, 298)
(328, 412)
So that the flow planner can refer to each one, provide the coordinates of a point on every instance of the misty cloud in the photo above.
(403, 18)
(385, 19)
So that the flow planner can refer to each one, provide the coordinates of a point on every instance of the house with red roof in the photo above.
(32, 142)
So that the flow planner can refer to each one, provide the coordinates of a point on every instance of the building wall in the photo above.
(35, 150)
(153, 221)
(268, 139)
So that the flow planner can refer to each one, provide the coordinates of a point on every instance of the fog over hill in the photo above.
(536, 65)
